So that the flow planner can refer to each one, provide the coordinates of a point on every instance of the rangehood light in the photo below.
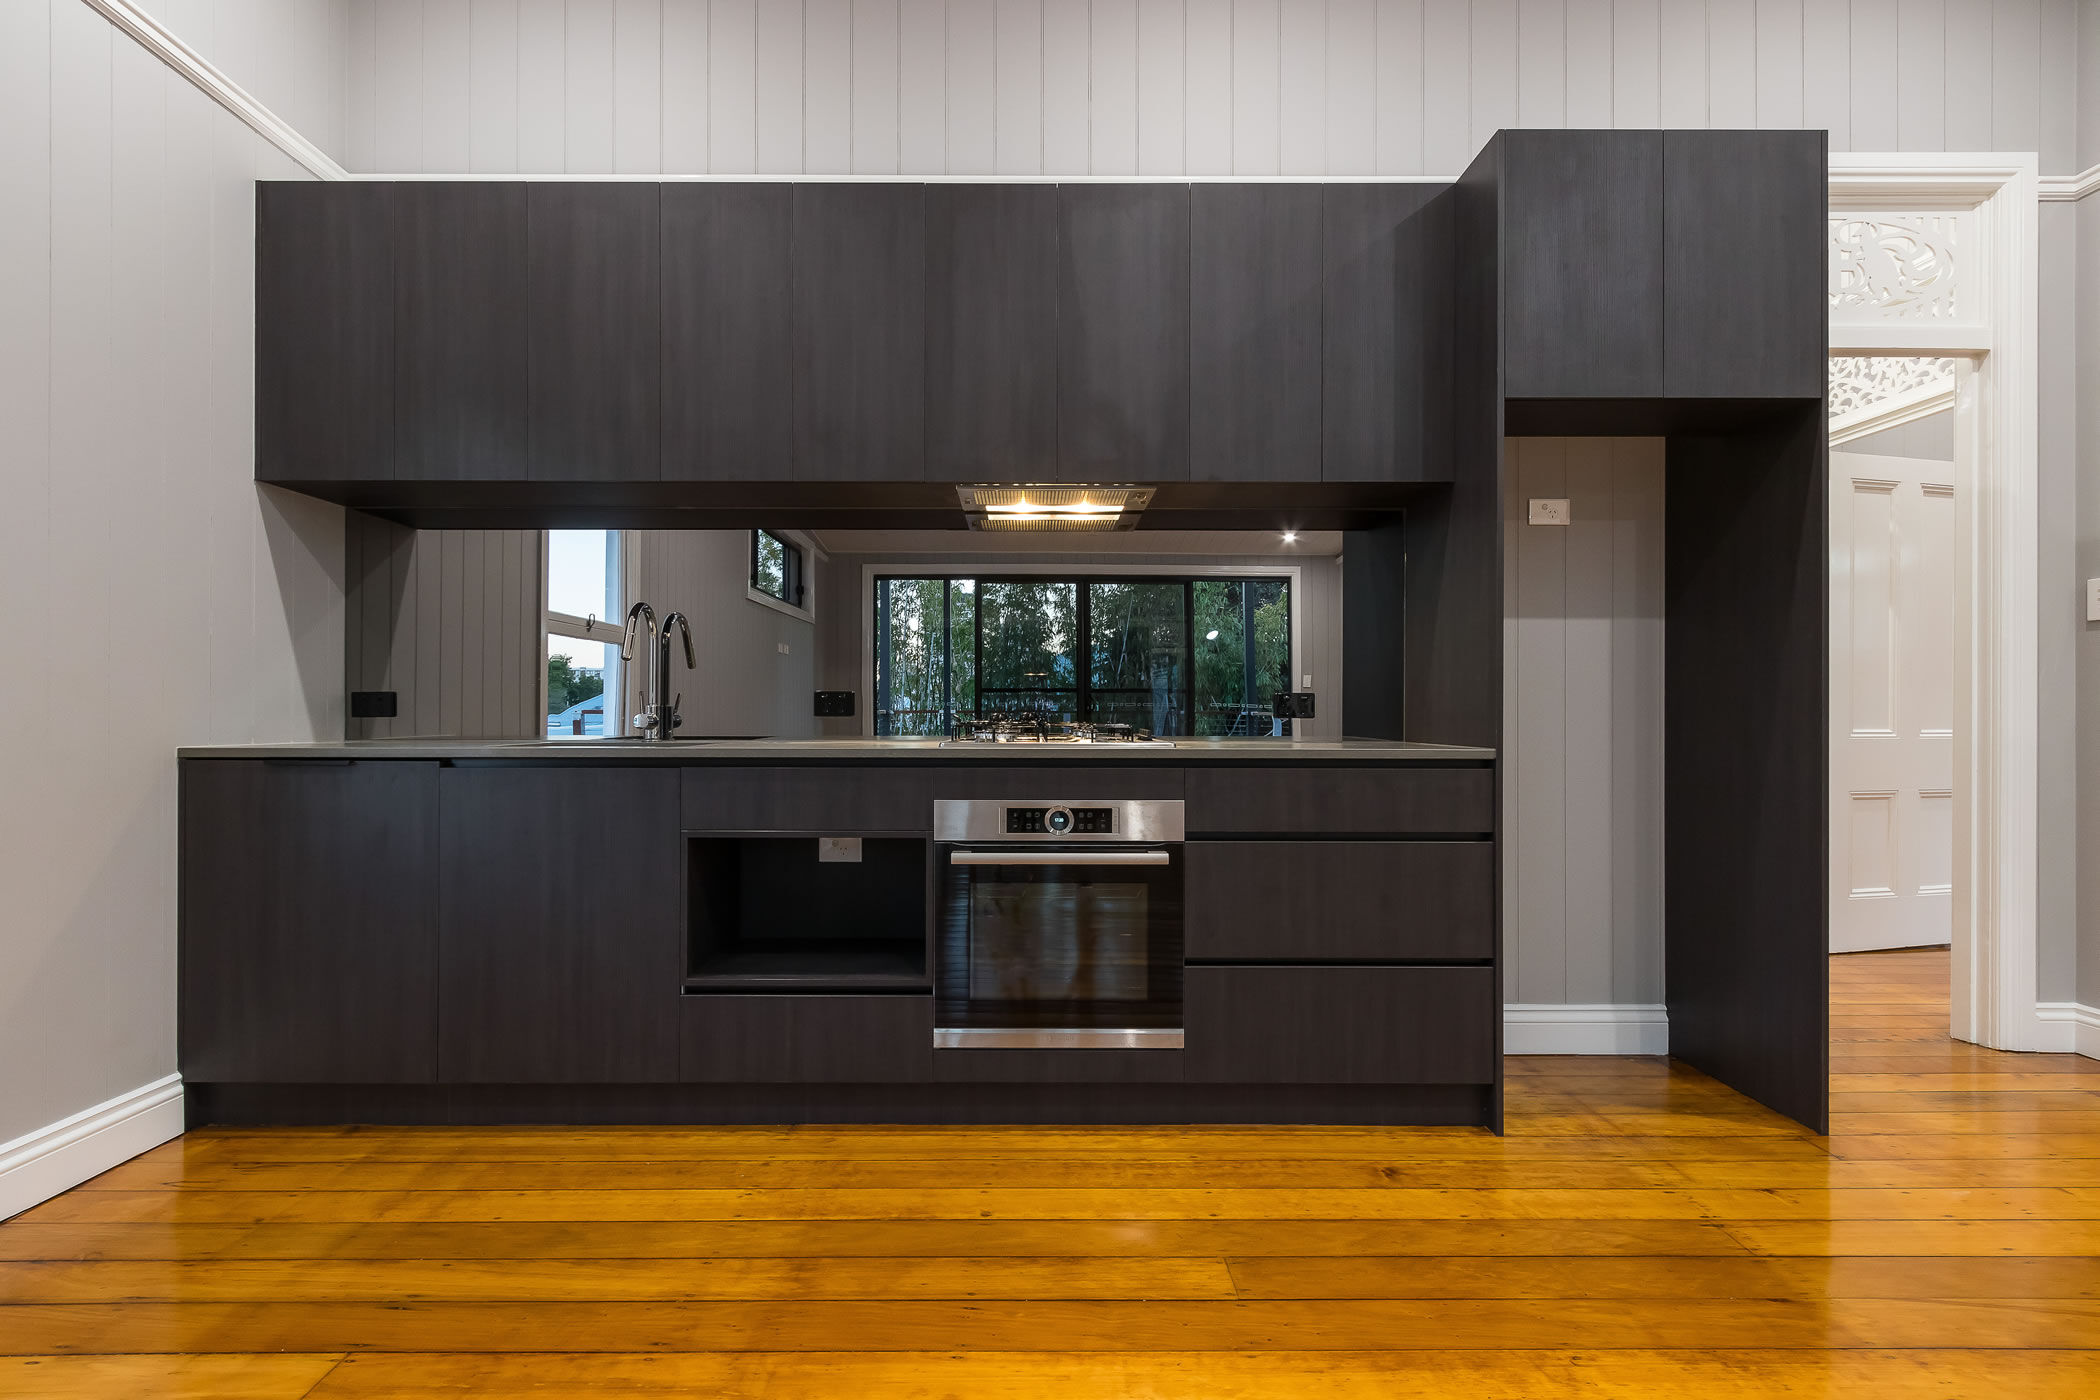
(1039, 506)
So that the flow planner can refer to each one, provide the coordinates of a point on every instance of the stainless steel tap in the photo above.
(666, 705)
(641, 618)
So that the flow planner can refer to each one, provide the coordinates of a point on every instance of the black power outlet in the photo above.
(834, 704)
(1293, 704)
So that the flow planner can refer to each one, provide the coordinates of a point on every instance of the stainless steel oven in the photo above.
(1059, 925)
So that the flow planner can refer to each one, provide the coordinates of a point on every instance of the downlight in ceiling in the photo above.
(1091, 508)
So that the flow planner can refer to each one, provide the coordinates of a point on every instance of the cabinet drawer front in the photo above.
(1341, 1025)
(806, 1039)
(826, 799)
(1356, 801)
(1377, 901)
(1061, 782)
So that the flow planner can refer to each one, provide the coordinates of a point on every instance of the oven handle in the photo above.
(1060, 858)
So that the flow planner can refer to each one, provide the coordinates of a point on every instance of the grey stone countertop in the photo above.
(856, 749)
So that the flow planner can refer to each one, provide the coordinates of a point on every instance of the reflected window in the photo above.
(585, 610)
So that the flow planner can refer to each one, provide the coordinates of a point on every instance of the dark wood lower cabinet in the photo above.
(1341, 1025)
(560, 941)
(308, 938)
(1313, 901)
(1393, 801)
(805, 1039)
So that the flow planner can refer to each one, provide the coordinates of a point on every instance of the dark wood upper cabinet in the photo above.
(324, 316)
(991, 332)
(594, 354)
(728, 361)
(460, 325)
(1745, 235)
(860, 332)
(308, 922)
(1123, 332)
(1582, 264)
(1386, 324)
(560, 945)
(1254, 333)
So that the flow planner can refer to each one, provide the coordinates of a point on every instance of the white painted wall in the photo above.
(293, 56)
(159, 597)
(1167, 87)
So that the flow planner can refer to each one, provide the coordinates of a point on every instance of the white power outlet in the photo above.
(2092, 600)
(1550, 510)
(783, 647)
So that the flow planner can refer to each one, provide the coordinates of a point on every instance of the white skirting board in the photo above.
(2069, 1028)
(39, 1165)
(1609, 1029)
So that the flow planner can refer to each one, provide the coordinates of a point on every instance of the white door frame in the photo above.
(1997, 618)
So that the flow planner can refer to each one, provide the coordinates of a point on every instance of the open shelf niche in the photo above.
(765, 913)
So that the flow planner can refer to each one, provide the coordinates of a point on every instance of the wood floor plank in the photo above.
(164, 1377)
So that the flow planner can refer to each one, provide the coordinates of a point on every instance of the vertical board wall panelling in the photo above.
(922, 87)
(1351, 116)
(1636, 75)
(827, 107)
(1446, 86)
(492, 87)
(875, 87)
(1542, 66)
(1207, 88)
(682, 129)
(973, 107)
(638, 98)
(1588, 64)
(1826, 69)
(1681, 65)
(1779, 61)
(1400, 103)
(1256, 116)
(1301, 103)
(732, 87)
(1921, 74)
(1162, 48)
(588, 77)
(1873, 75)
(1019, 30)
(543, 85)
(1494, 59)
(447, 75)
(1731, 63)
(2016, 90)
(397, 108)
(1583, 706)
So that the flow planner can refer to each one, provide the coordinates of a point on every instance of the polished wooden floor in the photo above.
(1640, 1231)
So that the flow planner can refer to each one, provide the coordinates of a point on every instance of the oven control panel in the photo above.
(1060, 821)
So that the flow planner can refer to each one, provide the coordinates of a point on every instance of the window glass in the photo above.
(1028, 641)
(579, 575)
(769, 566)
(1139, 654)
(576, 677)
(1243, 654)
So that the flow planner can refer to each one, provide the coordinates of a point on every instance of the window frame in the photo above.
(1291, 574)
(802, 552)
(607, 631)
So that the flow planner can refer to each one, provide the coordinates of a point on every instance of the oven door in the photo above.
(1059, 946)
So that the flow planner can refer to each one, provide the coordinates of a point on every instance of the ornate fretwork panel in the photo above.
(1898, 267)
(1859, 382)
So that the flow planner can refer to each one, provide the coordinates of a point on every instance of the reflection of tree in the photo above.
(568, 683)
(1138, 650)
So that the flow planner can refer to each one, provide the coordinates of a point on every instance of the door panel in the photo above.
(1892, 701)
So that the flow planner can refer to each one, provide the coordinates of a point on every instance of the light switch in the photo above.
(2092, 600)
(1550, 510)
(1305, 681)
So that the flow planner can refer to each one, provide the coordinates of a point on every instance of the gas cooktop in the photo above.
(1024, 729)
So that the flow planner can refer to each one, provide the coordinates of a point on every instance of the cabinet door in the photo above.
(324, 326)
(860, 332)
(1123, 333)
(559, 929)
(460, 331)
(1582, 268)
(1341, 1025)
(1330, 901)
(1745, 284)
(1386, 313)
(835, 800)
(1254, 333)
(593, 352)
(1393, 801)
(991, 332)
(308, 922)
(728, 363)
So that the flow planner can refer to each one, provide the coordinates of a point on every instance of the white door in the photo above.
(1892, 701)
